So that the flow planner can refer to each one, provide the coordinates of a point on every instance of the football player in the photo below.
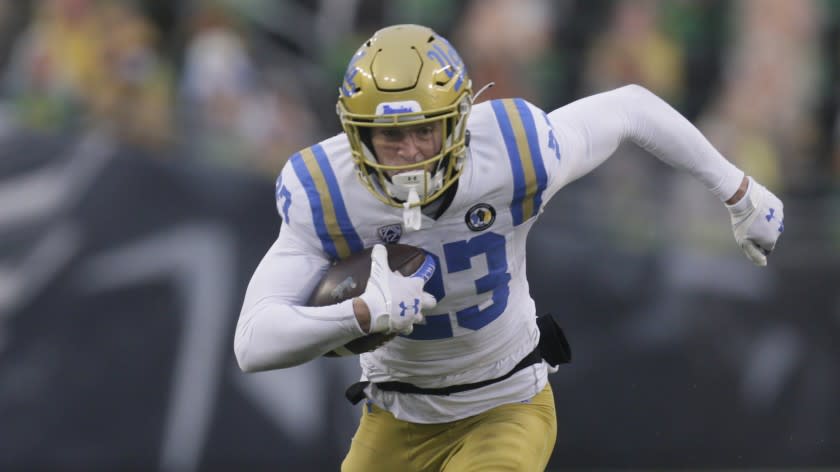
(464, 385)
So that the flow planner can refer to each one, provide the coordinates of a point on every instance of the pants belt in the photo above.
(356, 392)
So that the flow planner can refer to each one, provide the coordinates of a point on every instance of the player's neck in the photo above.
(437, 207)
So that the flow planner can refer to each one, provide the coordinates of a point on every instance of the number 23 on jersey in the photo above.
(458, 257)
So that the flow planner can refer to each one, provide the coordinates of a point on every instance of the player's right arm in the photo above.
(275, 330)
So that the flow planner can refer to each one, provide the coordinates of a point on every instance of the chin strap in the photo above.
(411, 214)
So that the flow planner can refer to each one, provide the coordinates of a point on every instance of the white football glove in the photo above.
(757, 221)
(395, 301)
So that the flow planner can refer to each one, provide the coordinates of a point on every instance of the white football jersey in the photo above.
(485, 320)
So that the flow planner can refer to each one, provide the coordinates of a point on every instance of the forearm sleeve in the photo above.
(591, 129)
(275, 330)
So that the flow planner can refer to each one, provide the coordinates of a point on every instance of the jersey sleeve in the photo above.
(295, 210)
(275, 329)
(311, 204)
(590, 130)
(533, 152)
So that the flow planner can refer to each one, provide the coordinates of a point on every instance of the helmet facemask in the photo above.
(415, 183)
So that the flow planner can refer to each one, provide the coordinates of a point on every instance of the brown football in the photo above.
(347, 278)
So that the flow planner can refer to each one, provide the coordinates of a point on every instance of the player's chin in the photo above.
(391, 173)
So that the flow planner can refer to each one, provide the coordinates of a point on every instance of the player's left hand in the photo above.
(757, 221)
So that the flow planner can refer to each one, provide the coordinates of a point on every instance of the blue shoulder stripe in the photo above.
(536, 155)
(343, 218)
(513, 155)
(318, 219)
(522, 144)
(329, 213)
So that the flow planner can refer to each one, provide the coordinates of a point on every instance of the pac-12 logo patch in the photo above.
(390, 234)
(480, 217)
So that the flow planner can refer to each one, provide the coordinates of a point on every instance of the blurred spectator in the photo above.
(440, 15)
(12, 18)
(836, 153)
(54, 62)
(636, 49)
(834, 92)
(236, 113)
(82, 62)
(503, 41)
(291, 125)
(763, 118)
(217, 77)
(135, 90)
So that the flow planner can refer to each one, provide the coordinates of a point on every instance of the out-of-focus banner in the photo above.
(121, 277)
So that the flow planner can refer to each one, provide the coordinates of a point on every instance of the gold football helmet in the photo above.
(406, 75)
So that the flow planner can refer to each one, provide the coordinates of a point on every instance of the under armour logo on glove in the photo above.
(753, 222)
(415, 306)
(385, 287)
(770, 215)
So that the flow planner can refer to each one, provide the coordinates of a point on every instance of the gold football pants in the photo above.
(515, 437)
